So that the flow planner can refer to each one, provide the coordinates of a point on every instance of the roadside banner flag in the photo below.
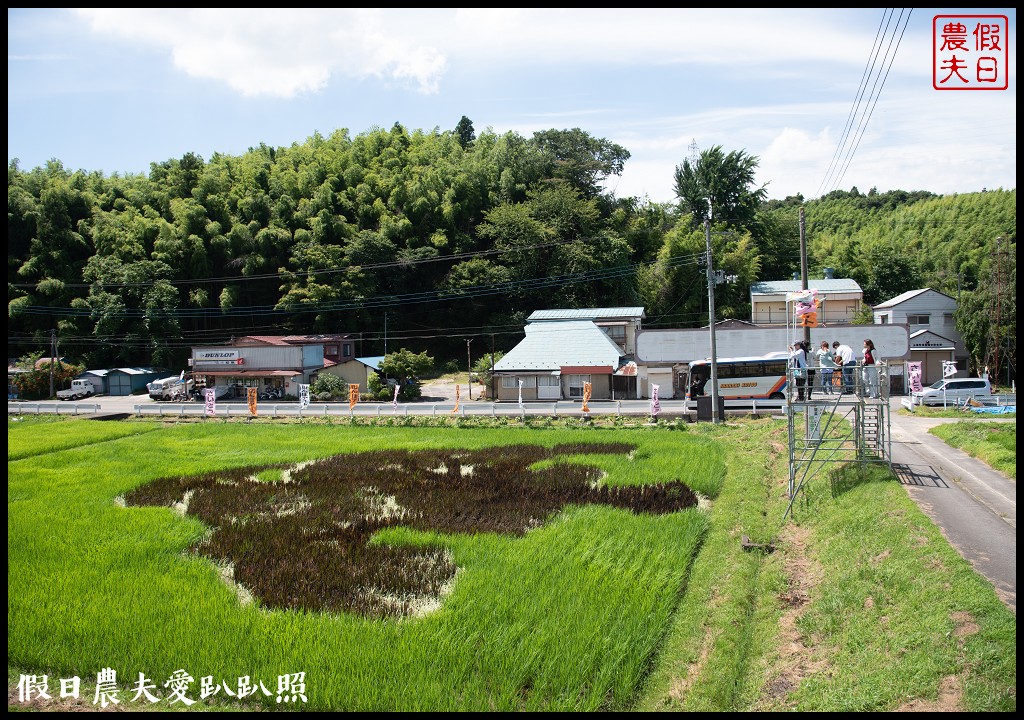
(250, 394)
(521, 395)
(181, 378)
(655, 403)
(587, 389)
(948, 368)
(456, 408)
(303, 396)
(914, 375)
(210, 395)
(353, 395)
(394, 400)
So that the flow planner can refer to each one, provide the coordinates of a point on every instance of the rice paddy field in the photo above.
(322, 566)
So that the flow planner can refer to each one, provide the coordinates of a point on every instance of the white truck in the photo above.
(79, 389)
(170, 388)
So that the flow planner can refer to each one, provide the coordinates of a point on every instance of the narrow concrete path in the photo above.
(974, 505)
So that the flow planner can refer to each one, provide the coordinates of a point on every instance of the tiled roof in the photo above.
(778, 287)
(549, 346)
(372, 362)
(903, 297)
(593, 314)
(290, 339)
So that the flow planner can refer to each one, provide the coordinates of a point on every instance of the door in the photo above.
(120, 384)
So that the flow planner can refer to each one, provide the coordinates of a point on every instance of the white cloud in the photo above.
(278, 53)
(282, 53)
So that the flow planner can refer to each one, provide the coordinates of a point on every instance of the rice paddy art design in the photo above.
(300, 536)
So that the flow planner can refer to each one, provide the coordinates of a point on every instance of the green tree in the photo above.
(890, 273)
(464, 132)
(577, 158)
(406, 368)
(720, 187)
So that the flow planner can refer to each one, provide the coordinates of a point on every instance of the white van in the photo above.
(954, 391)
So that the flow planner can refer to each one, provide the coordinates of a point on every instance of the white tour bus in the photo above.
(741, 380)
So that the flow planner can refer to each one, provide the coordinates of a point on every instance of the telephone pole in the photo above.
(711, 322)
(53, 357)
(469, 368)
(993, 348)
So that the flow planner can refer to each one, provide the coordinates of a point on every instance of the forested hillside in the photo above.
(441, 236)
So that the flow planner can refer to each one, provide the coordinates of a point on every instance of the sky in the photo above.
(824, 99)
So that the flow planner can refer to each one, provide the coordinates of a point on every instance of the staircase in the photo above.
(872, 430)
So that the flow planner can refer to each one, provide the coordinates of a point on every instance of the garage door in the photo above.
(120, 385)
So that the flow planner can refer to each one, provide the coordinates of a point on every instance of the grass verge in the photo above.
(994, 443)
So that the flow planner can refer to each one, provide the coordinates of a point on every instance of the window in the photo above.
(330, 349)
(616, 333)
(347, 347)
(548, 381)
(918, 319)
(576, 384)
(883, 319)
(512, 381)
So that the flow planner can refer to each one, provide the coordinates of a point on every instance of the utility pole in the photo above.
(469, 368)
(385, 333)
(711, 321)
(803, 271)
(996, 315)
(53, 357)
(492, 368)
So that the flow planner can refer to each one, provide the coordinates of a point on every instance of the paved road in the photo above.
(974, 505)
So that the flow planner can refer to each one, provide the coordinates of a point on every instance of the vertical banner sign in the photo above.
(914, 376)
(520, 381)
(210, 395)
(303, 396)
(655, 403)
(456, 408)
(587, 388)
(394, 400)
(250, 394)
(353, 395)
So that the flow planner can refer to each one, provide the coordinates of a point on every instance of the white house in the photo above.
(556, 359)
(621, 324)
(841, 300)
(928, 315)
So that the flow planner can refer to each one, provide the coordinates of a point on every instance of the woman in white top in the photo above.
(798, 361)
(826, 361)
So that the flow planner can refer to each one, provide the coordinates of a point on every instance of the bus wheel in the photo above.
(776, 396)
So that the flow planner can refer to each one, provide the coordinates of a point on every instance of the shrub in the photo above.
(330, 384)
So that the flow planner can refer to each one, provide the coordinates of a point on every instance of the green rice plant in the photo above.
(36, 435)
(567, 616)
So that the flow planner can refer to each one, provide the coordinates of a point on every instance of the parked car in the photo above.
(170, 388)
(78, 389)
(954, 391)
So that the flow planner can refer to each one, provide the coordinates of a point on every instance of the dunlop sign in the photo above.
(208, 355)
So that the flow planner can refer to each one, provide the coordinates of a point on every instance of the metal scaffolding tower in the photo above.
(843, 423)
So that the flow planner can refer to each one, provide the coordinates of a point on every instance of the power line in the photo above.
(312, 273)
(848, 145)
(868, 70)
(874, 99)
(471, 292)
